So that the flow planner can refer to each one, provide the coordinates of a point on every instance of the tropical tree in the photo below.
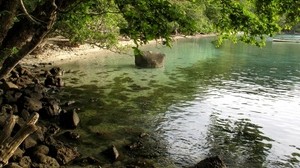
(25, 23)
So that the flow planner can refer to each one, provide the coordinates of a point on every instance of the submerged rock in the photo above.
(111, 153)
(149, 59)
(69, 120)
(211, 162)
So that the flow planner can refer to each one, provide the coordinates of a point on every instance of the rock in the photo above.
(29, 142)
(71, 135)
(54, 81)
(12, 96)
(9, 85)
(56, 71)
(69, 120)
(65, 154)
(211, 162)
(12, 165)
(88, 161)
(112, 153)
(25, 162)
(36, 91)
(1, 92)
(46, 161)
(18, 154)
(148, 59)
(51, 108)
(31, 104)
(43, 149)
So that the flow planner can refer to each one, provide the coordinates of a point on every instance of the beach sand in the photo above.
(55, 55)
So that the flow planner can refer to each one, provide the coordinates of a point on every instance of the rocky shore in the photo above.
(29, 90)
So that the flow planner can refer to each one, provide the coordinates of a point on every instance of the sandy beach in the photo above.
(54, 54)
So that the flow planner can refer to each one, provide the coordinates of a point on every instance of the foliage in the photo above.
(147, 20)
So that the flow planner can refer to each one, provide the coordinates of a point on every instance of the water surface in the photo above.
(238, 101)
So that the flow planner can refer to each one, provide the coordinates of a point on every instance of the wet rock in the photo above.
(12, 96)
(111, 153)
(12, 165)
(31, 104)
(87, 161)
(46, 161)
(1, 100)
(54, 81)
(211, 162)
(1, 92)
(69, 120)
(148, 59)
(18, 154)
(9, 85)
(39, 134)
(56, 71)
(25, 114)
(64, 154)
(25, 162)
(50, 108)
(71, 135)
(69, 103)
(52, 129)
(36, 91)
(43, 149)
(29, 142)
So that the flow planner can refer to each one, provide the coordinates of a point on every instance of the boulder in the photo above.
(9, 85)
(69, 120)
(46, 161)
(31, 104)
(111, 153)
(149, 59)
(65, 154)
(211, 162)
(12, 96)
(56, 71)
(54, 81)
(42, 149)
(25, 161)
(50, 108)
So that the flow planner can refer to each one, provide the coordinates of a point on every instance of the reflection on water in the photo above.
(238, 101)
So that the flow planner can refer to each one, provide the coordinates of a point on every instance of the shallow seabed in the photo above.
(238, 101)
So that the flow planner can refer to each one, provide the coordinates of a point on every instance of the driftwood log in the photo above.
(8, 144)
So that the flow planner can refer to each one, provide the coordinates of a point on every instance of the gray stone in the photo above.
(43, 149)
(65, 154)
(148, 59)
(32, 104)
(46, 161)
(25, 162)
(69, 120)
(211, 162)
(9, 85)
(29, 142)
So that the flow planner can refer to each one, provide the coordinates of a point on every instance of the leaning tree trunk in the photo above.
(19, 34)
(8, 145)
(14, 44)
(7, 18)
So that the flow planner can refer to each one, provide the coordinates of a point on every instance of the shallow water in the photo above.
(238, 101)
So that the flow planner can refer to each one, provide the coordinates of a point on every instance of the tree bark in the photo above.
(47, 15)
(8, 10)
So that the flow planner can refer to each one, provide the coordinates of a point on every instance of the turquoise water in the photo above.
(238, 101)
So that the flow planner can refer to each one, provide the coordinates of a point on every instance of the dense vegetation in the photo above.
(25, 23)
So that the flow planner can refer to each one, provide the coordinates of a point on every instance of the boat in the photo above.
(290, 40)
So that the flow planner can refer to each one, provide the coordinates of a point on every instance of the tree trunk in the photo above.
(47, 16)
(8, 13)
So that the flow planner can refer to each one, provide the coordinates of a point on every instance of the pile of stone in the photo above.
(23, 94)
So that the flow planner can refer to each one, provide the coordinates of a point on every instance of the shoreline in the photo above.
(57, 55)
